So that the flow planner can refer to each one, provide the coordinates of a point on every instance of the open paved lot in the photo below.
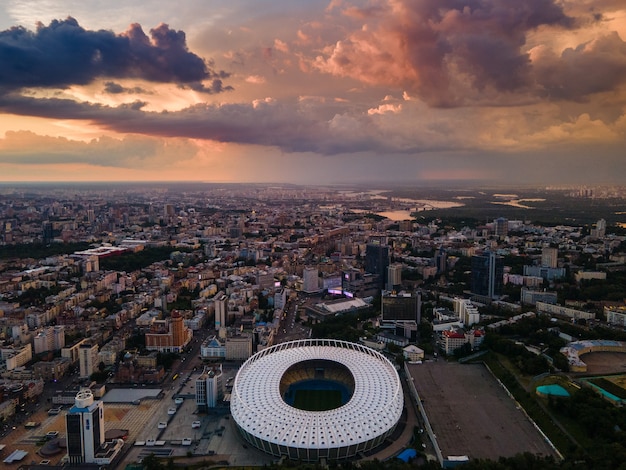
(599, 363)
(471, 414)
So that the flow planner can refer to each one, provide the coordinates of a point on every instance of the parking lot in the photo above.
(216, 437)
(472, 415)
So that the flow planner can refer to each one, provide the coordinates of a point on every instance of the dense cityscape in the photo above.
(157, 311)
(340, 234)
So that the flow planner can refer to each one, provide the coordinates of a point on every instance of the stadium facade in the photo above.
(358, 424)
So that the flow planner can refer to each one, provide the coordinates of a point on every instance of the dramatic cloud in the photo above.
(64, 54)
(594, 67)
(392, 127)
(115, 88)
(442, 48)
(349, 88)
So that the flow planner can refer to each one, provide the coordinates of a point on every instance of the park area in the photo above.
(471, 414)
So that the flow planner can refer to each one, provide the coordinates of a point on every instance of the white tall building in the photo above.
(209, 388)
(310, 280)
(88, 359)
(466, 311)
(394, 276)
(84, 426)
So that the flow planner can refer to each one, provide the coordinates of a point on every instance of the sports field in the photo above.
(317, 400)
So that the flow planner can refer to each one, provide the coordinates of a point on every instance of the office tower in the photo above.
(549, 257)
(403, 306)
(209, 388)
(441, 260)
(394, 276)
(84, 426)
(501, 227)
(221, 306)
(377, 261)
(47, 233)
(487, 275)
(310, 280)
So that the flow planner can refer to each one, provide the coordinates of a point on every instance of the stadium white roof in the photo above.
(374, 409)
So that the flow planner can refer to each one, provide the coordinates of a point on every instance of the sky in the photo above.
(313, 92)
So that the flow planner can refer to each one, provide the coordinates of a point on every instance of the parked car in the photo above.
(162, 425)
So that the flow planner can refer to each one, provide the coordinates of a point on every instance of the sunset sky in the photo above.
(319, 92)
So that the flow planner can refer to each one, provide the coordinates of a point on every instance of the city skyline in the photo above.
(313, 92)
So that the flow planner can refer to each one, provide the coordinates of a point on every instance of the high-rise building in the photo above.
(84, 425)
(549, 257)
(487, 275)
(221, 306)
(394, 276)
(466, 311)
(441, 260)
(209, 388)
(177, 327)
(47, 233)
(600, 230)
(168, 211)
(501, 227)
(401, 306)
(377, 261)
(310, 280)
(87, 359)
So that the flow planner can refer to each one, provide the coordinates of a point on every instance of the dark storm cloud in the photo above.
(216, 86)
(115, 89)
(63, 54)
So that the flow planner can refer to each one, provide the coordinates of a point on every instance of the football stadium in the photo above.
(316, 399)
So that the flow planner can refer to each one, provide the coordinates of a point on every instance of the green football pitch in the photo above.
(317, 400)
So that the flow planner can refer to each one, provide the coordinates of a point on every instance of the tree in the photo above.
(150, 462)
